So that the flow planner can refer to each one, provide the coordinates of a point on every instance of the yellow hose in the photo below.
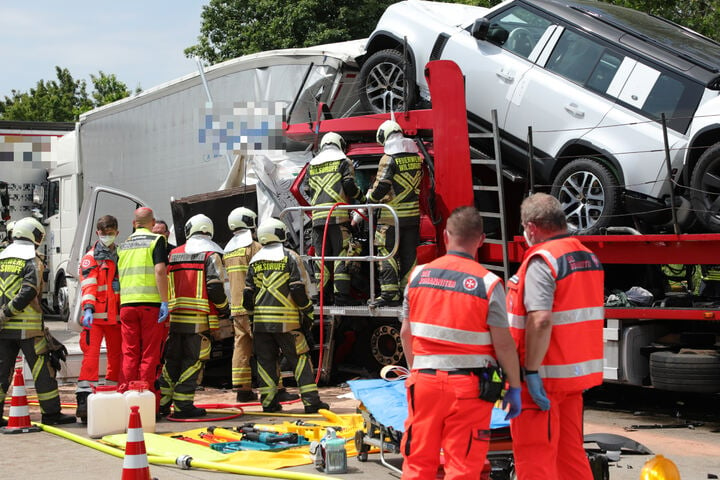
(185, 462)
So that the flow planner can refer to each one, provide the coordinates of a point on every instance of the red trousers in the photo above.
(550, 444)
(142, 342)
(444, 411)
(90, 340)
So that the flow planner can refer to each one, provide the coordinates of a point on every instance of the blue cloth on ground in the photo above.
(387, 402)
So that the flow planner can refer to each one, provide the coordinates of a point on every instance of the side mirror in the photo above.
(38, 194)
(480, 28)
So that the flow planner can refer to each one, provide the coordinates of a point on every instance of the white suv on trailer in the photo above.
(592, 79)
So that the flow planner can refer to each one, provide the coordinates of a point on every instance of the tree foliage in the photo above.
(63, 99)
(231, 28)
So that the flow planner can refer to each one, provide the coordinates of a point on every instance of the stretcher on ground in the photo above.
(384, 410)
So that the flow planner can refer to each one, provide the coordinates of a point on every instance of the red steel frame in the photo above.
(453, 187)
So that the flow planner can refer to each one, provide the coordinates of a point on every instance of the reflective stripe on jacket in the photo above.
(273, 284)
(397, 184)
(329, 183)
(137, 269)
(96, 287)
(20, 287)
(236, 263)
(448, 301)
(574, 360)
(190, 309)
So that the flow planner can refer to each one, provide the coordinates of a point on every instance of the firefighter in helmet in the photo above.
(276, 297)
(397, 185)
(197, 301)
(21, 322)
(331, 180)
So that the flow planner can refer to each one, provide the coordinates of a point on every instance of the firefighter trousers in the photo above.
(35, 350)
(295, 348)
(394, 271)
(242, 351)
(185, 355)
(337, 244)
(142, 344)
(90, 340)
(550, 444)
(444, 412)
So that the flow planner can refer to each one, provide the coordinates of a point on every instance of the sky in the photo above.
(140, 41)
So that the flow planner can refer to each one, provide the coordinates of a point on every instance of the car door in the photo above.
(565, 97)
(494, 67)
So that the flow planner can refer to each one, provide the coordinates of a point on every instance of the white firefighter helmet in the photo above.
(272, 230)
(387, 128)
(242, 217)
(28, 228)
(332, 138)
(199, 224)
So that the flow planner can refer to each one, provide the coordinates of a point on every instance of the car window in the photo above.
(517, 30)
(576, 57)
(655, 92)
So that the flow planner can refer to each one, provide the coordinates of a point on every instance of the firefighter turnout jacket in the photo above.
(275, 293)
(574, 360)
(331, 180)
(397, 185)
(98, 271)
(196, 289)
(448, 319)
(137, 269)
(21, 271)
(238, 253)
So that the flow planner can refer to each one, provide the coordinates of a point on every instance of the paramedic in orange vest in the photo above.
(455, 324)
(556, 314)
(197, 303)
(100, 300)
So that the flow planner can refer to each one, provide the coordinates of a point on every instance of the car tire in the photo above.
(386, 71)
(589, 193)
(685, 372)
(705, 189)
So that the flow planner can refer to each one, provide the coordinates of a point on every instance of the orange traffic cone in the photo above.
(135, 465)
(19, 420)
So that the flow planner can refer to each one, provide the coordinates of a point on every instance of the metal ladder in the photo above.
(494, 186)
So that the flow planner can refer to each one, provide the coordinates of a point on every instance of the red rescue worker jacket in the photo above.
(96, 278)
(574, 360)
(188, 300)
(449, 300)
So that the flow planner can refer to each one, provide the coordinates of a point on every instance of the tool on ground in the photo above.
(690, 425)
(330, 454)
(19, 417)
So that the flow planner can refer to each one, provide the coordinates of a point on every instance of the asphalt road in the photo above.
(696, 451)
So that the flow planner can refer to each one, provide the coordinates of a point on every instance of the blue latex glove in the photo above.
(116, 285)
(163, 312)
(537, 392)
(512, 398)
(87, 319)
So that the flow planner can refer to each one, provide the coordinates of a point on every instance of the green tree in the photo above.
(61, 100)
(231, 28)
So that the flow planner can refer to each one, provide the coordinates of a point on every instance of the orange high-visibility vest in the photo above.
(448, 314)
(188, 300)
(574, 360)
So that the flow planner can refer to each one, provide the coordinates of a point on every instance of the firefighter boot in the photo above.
(314, 407)
(245, 396)
(284, 396)
(58, 418)
(81, 412)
